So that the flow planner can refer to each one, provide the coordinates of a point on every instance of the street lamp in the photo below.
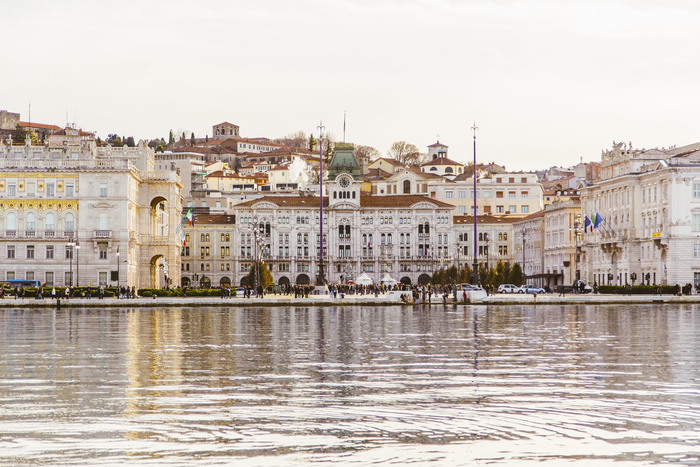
(476, 265)
(71, 246)
(118, 271)
(577, 232)
(524, 232)
(259, 241)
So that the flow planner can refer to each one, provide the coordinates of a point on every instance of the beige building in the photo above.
(563, 238)
(84, 215)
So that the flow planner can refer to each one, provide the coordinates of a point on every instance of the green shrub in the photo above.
(637, 289)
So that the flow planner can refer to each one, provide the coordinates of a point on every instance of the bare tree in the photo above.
(367, 151)
(297, 139)
(405, 153)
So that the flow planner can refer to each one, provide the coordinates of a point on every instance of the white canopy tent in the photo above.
(363, 279)
(388, 280)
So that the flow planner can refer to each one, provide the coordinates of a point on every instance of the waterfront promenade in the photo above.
(348, 300)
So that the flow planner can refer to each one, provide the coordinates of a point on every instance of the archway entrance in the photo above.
(405, 280)
(185, 282)
(424, 279)
(205, 283)
(225, 282)
(158, 272)
(302, 279)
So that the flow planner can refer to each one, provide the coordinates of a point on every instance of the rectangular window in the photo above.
(10, 252)
(524, 209)
(11, 189)
(499, 209)
(49, 279)
(448, 194)
(511, 194)
(524, 194)
(50, 189)
(30, 251)
(10, 275)
(102, 251)
(512, 209)
(49, 251)
(103, 190)
(499, 194)
(696, 190)
(30, 275)
(461, 194)
(69, 252)
(70, 190)
(696, 250)
(31, 189)
(103, 279)
(68, 278)
(696, 222)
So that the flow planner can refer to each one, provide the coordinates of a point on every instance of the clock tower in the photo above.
(344, 176)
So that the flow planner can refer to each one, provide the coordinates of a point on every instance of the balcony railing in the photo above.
(102, 234)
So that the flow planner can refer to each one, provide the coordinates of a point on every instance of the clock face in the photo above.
(344, 182)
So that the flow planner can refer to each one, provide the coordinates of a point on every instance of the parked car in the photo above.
(581, 287)
(529, 288)
(509, 288)
(239, 291)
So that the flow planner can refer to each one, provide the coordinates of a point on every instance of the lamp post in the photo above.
(258, 239)
(77, 264)
(71, 246)
(576, 230)
(476, 265)
(118, 271)
(524, 232)
(320, 279)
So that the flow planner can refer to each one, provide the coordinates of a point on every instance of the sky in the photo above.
(547, 82)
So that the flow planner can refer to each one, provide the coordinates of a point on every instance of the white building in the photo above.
(650, 203)
(406, 236)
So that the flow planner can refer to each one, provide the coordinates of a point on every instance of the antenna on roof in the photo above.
(344, 118)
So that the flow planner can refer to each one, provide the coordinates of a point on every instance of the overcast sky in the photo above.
(548, 82)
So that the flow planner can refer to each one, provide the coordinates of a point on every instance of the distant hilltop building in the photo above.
(225, 130)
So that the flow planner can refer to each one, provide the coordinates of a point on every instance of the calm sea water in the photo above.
(519, 385)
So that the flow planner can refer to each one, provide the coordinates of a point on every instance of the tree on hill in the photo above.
(297, 139)
(367, 151)
(406, 153)
(114, 140)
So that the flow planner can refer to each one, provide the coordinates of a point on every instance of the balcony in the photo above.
(102, 234)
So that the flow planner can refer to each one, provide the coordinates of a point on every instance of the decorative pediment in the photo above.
(345, 205)
(264, 205)
(424, 205)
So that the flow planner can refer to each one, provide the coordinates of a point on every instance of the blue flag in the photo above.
(586, 224)
(598, 220)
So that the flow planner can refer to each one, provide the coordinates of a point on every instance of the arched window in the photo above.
(31, 221)
(11, 221)
(335, 195)
(102, 221)
(353, 195)
(70, 222)
(406, 187)
(50, 222)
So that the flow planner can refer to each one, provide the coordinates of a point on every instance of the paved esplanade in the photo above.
(326, 300)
